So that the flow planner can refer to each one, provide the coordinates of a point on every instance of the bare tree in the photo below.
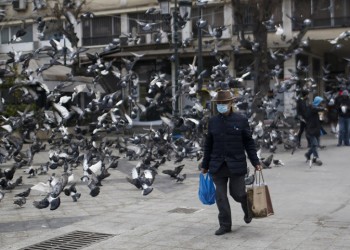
(261, 13)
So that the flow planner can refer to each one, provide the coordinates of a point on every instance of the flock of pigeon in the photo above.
(88, 154)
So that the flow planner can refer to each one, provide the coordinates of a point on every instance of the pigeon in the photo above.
(17, 37)
(134, 180)
(24, 193)
(20, 201)
(142, 181)
(44, 203)
(54, 202)
(72, 192)
(176, 173)
(249, 180)
(9, 173)
(277, 163)
(267, 162)
(152, 11)
(2, 195)
(146, 26)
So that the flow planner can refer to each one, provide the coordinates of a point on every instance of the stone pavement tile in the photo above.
(332, 247)
(339, 242)
(327, 232)
(266, 222)
(171, 240)
(195, 229)
(287, 242)
(344, 235)
(226, 241)
(316, 240)
(200, 242)
(301, 234)
(267, 234)
(169, 247)
(306, 225)
(114, 243)
(309, 246)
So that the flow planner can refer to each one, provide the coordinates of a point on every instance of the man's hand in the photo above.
(204, 170)
(258, 167)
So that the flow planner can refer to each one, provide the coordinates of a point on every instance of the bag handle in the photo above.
(260, 177)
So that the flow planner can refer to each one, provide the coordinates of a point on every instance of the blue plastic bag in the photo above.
(206, 191)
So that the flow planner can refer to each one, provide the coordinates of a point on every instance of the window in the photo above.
(242, 63)
(8, 32)
(323, 13)
(341, 13)
(146, 71)
(214, 15)
(52, 30)
(100, 30)
(161, 23)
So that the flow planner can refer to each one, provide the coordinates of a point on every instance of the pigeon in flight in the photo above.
(146, 26)
(72, 192)
(175, 174)
(18, 36)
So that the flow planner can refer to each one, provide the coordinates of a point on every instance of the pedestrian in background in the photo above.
(313, 130)
(332, 113)
(229, 137)
(302, 107)
(343, 107)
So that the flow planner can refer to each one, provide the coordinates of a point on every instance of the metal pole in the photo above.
(64, 51)
(200, 57)
(176, 53)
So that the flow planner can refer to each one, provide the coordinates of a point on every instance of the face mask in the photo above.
(222, 108)
(343, 109)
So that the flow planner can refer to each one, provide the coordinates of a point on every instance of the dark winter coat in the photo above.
(228, 138)
(343, 101)
(302, 108)
(313, 123)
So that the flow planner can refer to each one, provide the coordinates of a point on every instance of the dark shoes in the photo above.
(248, 218)
(317, 161)
(307, 157)
(222, 230)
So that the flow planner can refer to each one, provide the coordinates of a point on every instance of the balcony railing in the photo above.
(248, 27)
(327, 23)
(101, 40)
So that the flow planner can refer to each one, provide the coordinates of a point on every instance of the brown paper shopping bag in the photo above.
(259, 198)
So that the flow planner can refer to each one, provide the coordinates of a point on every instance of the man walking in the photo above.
(302, 106)
(229, 137)
(313, 130)
(343, 106)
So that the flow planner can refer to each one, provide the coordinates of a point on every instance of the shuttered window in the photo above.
(101, 30)
(214, 15)
(8, 33)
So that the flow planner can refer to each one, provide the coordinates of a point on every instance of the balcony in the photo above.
(335, 22)
(99, 40)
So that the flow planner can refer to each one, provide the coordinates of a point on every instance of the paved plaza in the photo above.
(311, 210)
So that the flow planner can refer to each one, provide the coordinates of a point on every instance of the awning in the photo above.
(69, 86)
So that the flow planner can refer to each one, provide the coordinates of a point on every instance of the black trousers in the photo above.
(302, 127)
(236, 186)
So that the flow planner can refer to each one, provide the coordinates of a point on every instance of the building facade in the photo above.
(115, 19)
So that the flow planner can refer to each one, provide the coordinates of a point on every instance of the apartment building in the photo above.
(118, 19)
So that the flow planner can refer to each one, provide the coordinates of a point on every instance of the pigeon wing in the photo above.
(96, 168)
(42, 187)
(62, 110)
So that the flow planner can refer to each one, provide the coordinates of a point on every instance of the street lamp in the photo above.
(200, 57)
(184, 13)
